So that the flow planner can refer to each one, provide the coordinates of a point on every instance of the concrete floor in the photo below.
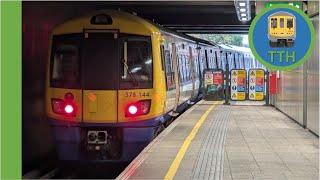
(234, 142)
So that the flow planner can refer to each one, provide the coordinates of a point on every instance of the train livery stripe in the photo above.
(183, 149)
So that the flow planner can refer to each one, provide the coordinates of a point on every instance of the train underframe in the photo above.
(118, 142)
(115, 143)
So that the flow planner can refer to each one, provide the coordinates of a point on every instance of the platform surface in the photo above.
(231, 142)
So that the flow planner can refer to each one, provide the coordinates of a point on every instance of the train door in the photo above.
(192, 74)
(176, 75)
(206, 58)
(166, 52)
(99, 76)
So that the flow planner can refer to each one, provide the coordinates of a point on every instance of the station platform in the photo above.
(215, 141)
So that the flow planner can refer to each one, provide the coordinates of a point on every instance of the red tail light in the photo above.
(132, 109)
(68, 109)
(57, 106)
(65, 107)
(138, 108)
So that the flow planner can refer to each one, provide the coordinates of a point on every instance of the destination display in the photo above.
(238, 84)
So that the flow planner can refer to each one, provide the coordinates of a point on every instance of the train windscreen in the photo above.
(65, 62)
(136, 67)
(281, 22)
(96, 61)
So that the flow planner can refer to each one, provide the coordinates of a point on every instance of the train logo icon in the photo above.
(281, 29)
(281, 37)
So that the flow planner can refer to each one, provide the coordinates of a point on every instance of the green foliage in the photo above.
(232, 39)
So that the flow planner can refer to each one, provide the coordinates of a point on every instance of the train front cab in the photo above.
(105, 91)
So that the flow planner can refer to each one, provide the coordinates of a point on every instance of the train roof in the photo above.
(281, 13)
(130, 23)
(198, 40)
(233, 48)
(116, 20)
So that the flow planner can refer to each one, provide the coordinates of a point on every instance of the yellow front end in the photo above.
(105, 105)
(99, 106)
(105, 78)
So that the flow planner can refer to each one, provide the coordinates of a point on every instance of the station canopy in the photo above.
(182, 16)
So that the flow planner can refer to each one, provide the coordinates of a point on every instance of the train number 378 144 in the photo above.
(136, 94)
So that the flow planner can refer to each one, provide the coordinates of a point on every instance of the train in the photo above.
(281, 29)
(115, 81)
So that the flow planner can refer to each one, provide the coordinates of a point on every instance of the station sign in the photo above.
(282, 36)
(213, 83)
(256, 84)
(238, 84)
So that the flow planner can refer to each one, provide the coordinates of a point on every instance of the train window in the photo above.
(289, 23)
(281, 22)
(169, 70)
(216, 59)
(179, 66)
(223, 62)
(235, 61)
(65, 66)
(187, 67)
(212, 61)
(196, 66)
(214, 65)
(182, 66)
(136, 66)
(274, 22)
(168, 62)
(243, 62)
(162, 57)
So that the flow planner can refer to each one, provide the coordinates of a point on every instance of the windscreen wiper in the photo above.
(132, 76)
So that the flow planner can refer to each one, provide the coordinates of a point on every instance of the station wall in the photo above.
(290, 94)
(313, 84)
(298, 90)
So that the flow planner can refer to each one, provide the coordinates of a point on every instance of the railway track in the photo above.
(88, 171)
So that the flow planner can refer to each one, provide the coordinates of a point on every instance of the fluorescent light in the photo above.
(243, 9)
(291, 4)
(297, 6)
(242, 4)
(148, 61)
(136, 69)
